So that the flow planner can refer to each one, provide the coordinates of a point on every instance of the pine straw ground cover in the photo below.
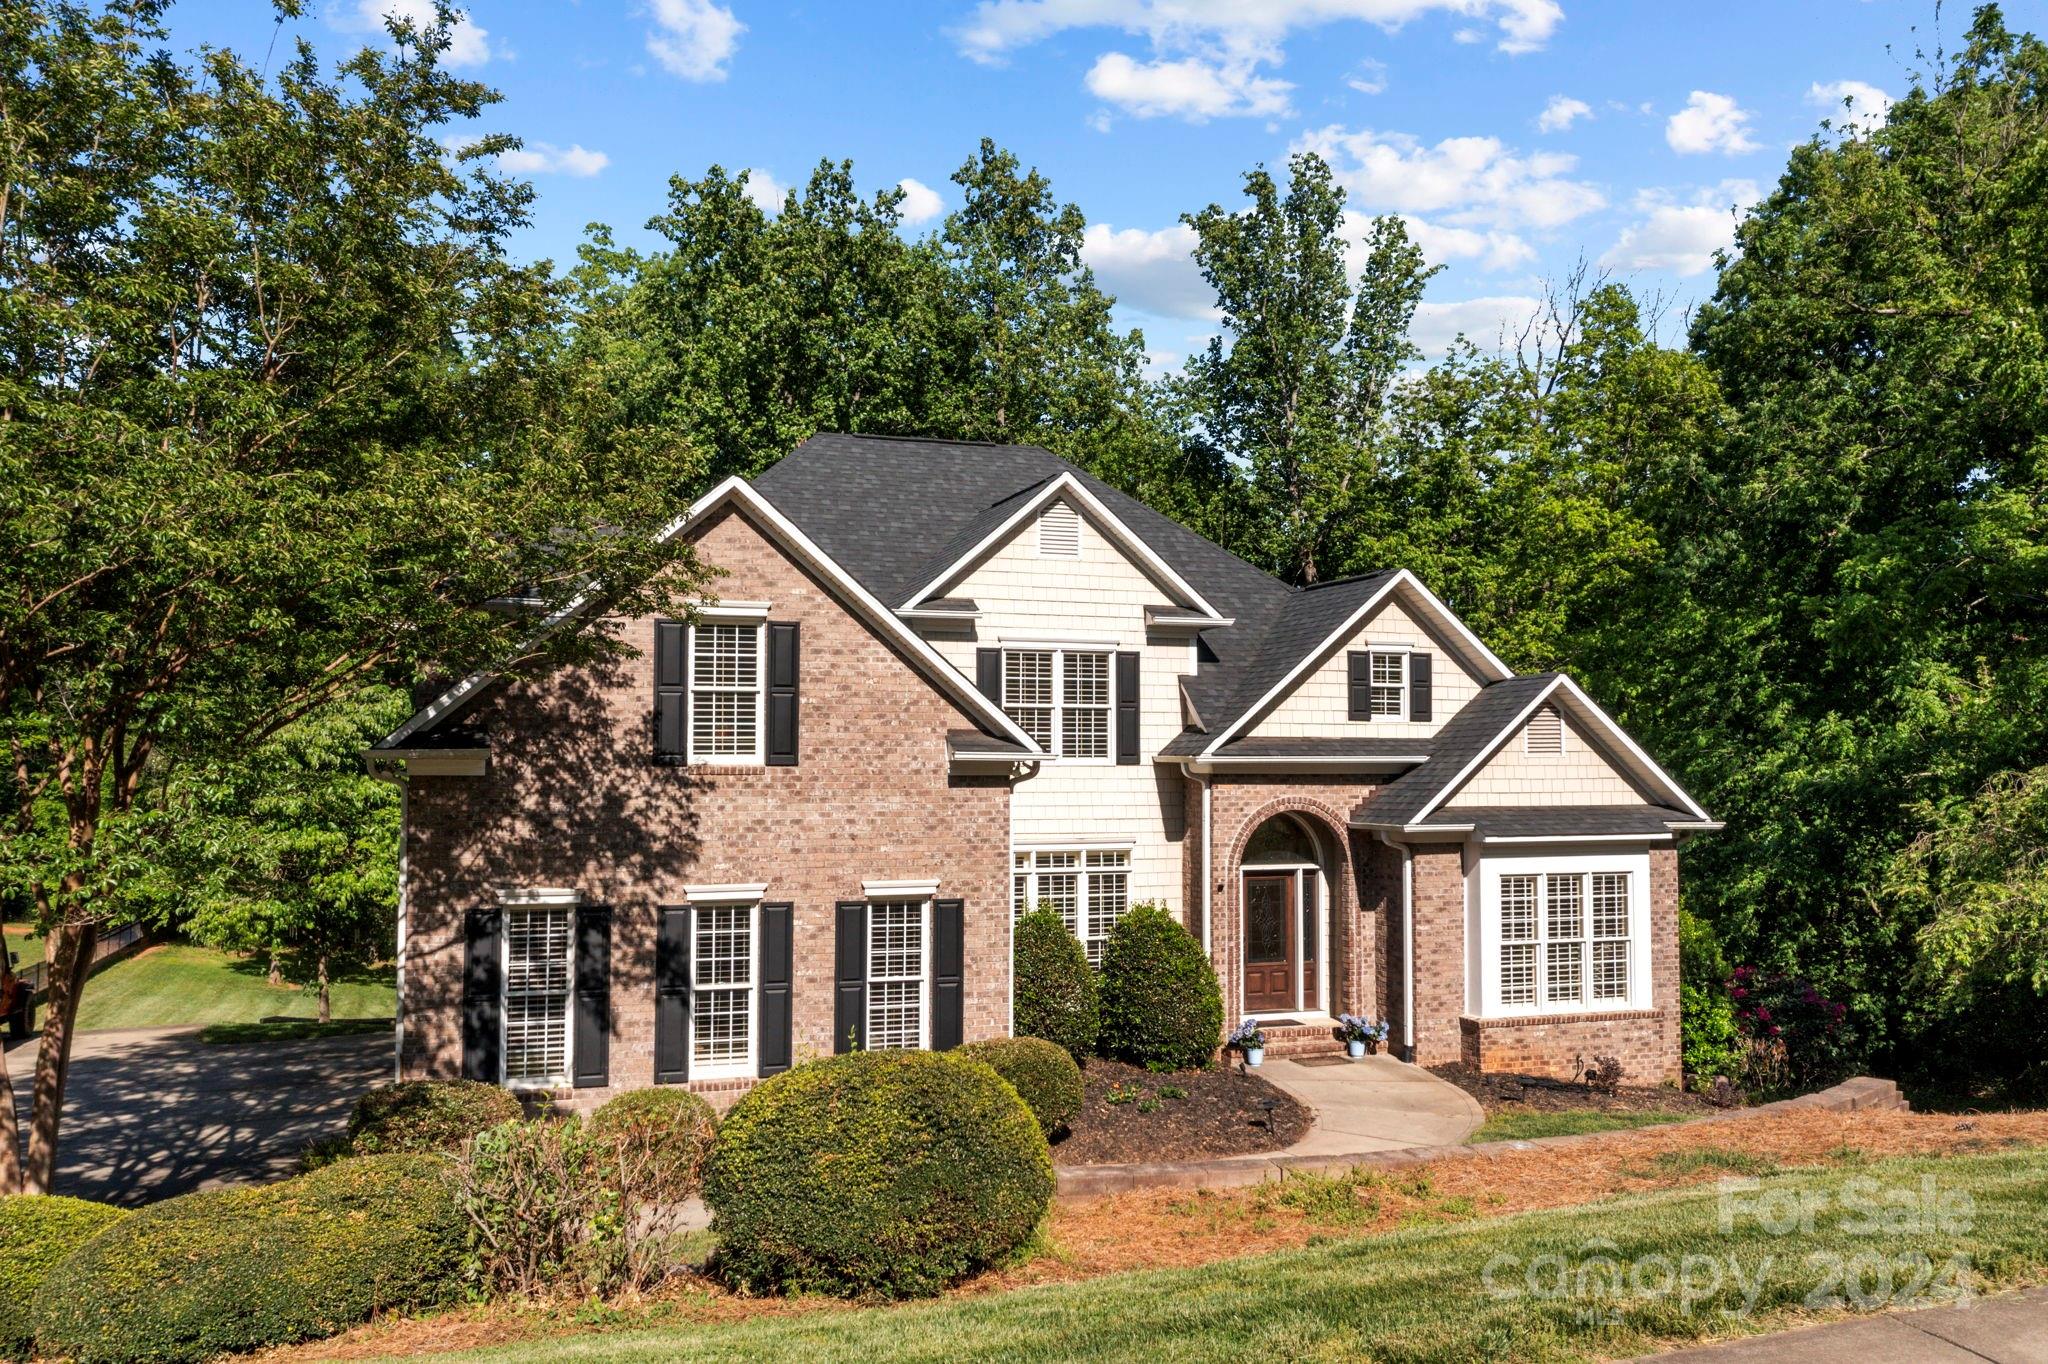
(1169, 1229)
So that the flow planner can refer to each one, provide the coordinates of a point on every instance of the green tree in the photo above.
(292, 848)
(277, 416)
(1295, 391)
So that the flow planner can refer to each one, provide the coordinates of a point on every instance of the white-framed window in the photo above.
(1389, 675)
(1565, 935)
(1062, 698)
(899, 960)
(539, 964)
(1090, 888)
(722, 988)
(725, 691)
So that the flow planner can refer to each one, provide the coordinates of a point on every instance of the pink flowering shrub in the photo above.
(1796, 1039)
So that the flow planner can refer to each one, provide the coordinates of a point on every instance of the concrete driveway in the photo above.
(157, 1112)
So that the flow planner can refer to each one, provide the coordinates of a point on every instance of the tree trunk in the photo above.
(10, 1131)
(69, 963)
(276, 971)
(326, 998)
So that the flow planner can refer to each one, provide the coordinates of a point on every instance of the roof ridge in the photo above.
(1348, 578)
(934, 440)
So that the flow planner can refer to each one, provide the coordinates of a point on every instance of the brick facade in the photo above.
(573, 799)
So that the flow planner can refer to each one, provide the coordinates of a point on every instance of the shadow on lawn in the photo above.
(148, 1117)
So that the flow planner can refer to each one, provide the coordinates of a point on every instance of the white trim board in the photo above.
(794, 542)
(1315, 657)
(1107, 521)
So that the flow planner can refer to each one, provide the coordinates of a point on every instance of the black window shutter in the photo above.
(1126, 709)
(850, 997)
(988, 673)
(671, 695)
(777, 1034)
(593, 1003)
(1418, 687)
(482, 974)
(1361, 684)
(672, 996)
(949, 953)
(782, 703)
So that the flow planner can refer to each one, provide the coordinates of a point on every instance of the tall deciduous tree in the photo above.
(277, 416)
(1296, 389)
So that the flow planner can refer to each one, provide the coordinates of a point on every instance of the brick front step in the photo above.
(1303, 1041)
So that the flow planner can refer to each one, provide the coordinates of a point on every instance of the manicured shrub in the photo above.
(37, 1235)
(1709, 1042)
(241, 1269)
(1043, 1075)
(1161, 1005)
(875, 1174)
(656, 1141)
(1056, 988)
(427, 1115)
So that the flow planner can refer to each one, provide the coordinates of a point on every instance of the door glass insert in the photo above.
(1266, 911)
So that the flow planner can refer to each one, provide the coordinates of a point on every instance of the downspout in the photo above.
(397, 776)
(1408, 951)
(1208, 865)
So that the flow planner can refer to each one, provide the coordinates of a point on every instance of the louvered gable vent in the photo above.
(1059, 532)
(1546, 732)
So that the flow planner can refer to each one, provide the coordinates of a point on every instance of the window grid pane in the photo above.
(1610, 970)
(725, 690)
(895, 975)
(1518, 973)
(1389, 676)
(1109, 897)
(722, 966)
(1564, 908)
(1027, 693)
(1610, 904)
(1563, 971)
(1084, 701)
(537, 994)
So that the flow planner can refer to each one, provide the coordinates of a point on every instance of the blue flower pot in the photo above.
(1255, 1056)
(1357, 1049)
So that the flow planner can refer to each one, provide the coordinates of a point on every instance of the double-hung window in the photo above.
(722, 990)
(1389, 685)
(899, 943)
(538, 970)
(1090, 889)
(725, 692)
(1564, 939)
(1062, 698)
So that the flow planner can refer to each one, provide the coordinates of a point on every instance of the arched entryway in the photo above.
(1285, 891)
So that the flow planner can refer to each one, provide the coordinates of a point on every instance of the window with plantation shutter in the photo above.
(1062, 698)
(1563, 938)
(725, 692)
(536, 1008)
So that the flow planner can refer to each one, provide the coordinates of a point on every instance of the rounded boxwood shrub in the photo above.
(875, 1174)
(1043, 1075)
(1056, 991)
(665, 1134)
(37, 1235)
(1161, 1005)
(427, 1115)
(241, 1269)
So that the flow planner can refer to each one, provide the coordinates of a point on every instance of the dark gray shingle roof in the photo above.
(1551, 821)
(973, 741)
(1463, 737)
(1355, 746)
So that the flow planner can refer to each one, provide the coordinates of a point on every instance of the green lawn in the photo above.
(23, 943)
(1426, 1295)
(177, 984)
(1527, 1126)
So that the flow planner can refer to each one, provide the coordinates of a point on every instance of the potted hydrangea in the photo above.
(1250, 1040)
(1361, 1034)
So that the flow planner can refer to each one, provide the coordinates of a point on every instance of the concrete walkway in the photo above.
(155, 1112)
(1374, 1103)
(2009, 1329)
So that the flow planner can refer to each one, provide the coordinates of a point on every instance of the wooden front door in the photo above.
(1269, 942)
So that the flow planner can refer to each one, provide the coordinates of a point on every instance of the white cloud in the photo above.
(1680, 237)
(921, 203)
(1866, 105)
(693, 38)
(545, 158)
(1442, 244)
(469, 44)
(1561, 113)
(1484, 321)
(1710, 123)
(1154, 272)
(1191, 88)
(998, 27)
(765, 190)
(1460, 181)
(1369, 77)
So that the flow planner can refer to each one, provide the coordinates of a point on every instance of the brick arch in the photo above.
(1332, 830)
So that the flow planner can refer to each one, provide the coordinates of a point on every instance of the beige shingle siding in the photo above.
(1580, 775)
(1319, 706)
(1100, 596)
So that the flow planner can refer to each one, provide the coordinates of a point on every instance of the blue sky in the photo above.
(1516, 136)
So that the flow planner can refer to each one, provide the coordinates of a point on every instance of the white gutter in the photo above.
(1328, 763)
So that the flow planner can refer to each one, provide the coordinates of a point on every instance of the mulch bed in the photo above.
(1132, 1114)
(1530, 1093)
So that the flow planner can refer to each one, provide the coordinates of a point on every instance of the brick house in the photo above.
(941, 681)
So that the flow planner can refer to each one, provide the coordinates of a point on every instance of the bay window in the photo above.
(1564, 936)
